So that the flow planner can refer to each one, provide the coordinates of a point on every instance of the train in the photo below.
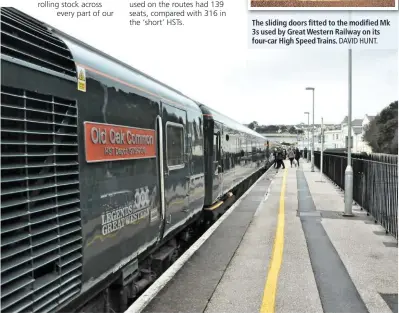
(106, 173)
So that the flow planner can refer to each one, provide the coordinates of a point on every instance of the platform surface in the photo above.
(308, 259)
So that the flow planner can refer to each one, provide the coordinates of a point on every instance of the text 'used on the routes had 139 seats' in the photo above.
(173, 13)
(321, 32)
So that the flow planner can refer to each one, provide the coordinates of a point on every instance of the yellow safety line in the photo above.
(269, 294)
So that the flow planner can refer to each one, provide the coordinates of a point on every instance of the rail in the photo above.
(375, 183)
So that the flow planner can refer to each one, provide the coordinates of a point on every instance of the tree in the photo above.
(271, 129)
(292, 130)
(253, 125)
(382, 132)
(371, 135)
(283, 129)
(394, 147)
(261, 129)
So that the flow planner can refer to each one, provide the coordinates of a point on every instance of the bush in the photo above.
(382, 132)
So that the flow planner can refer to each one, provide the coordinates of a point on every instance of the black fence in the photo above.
(375, 183)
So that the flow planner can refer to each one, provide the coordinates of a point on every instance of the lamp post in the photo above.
(307, 157)
(321, 153)
(312, 155)
(349, 170)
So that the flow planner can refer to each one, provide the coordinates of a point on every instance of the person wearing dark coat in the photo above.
(297, 155)
(280, 162)
(275, 158)
(291, 156)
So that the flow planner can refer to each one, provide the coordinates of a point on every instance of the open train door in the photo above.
(175, 166)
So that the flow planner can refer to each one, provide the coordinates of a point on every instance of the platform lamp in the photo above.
(308, 155)
(349, 170)
(312, 154)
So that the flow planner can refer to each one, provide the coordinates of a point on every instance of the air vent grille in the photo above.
(41, 239)
(26, 39)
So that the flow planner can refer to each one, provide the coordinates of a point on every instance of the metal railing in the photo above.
(375, 183)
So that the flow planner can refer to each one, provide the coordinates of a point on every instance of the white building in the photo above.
(337, 138)
(333, 139)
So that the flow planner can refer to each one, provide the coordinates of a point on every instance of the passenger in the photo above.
(291, 156)
(275, 158)
(297, 156)
(280, 161)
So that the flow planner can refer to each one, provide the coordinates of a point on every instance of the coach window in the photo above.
(174, 145)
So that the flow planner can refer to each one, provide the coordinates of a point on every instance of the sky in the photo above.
(209, 60)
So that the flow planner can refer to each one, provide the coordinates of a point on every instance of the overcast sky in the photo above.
(209, 61)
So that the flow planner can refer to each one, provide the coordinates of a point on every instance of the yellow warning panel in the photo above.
(82, 86)
(81, 78)
(82, 75)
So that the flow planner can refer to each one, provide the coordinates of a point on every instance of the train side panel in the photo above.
(195, 147)
(233, 153)
(249, 160)
(119, 187)
(183, 164)
(123, 207)
(132, 99)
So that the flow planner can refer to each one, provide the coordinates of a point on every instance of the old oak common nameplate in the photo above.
(107, 142)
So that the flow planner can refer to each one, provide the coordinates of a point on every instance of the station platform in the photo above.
(286, 248)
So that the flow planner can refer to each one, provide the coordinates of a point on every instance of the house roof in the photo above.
(357, 122)
(345, 120)
(370, 117)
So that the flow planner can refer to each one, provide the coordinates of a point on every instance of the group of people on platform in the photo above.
(281, 154)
